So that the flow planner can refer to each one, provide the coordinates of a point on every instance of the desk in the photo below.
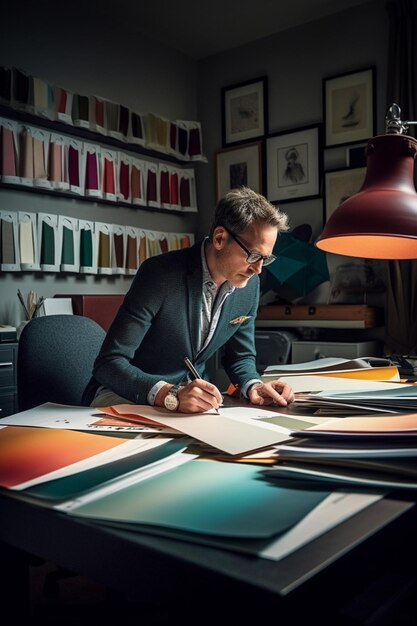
(151, 568)
(157, 568)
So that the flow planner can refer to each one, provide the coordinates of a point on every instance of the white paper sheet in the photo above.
(57, 306)
(336, 508)
(229, 434)
(51, 415)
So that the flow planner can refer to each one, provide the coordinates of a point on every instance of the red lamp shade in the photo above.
(380, 221)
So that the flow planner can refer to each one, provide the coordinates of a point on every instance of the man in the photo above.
(189, 303)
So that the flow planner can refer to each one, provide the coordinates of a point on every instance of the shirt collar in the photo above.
(207, 277)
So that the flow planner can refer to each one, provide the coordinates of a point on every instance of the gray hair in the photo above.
(240, 208)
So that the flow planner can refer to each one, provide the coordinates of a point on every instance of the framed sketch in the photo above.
(293, 161)
(340, 185)
(244, 111)
(239, 167)
(349, 107)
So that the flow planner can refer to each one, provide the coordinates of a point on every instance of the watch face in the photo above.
(171, 402)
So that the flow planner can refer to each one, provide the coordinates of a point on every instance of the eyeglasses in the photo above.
(252, 257)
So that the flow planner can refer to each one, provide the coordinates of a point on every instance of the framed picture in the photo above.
(244, 111)
(349, 107)
(239, 167)
(356, 156)
(340, 185)
(293, 161)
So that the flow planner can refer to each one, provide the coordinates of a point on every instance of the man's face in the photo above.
(231, 263)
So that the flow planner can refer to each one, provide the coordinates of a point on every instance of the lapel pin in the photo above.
(240, 319)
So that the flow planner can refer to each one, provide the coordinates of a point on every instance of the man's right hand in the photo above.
(197, 396)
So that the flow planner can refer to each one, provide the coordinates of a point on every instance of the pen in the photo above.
(191, 367)
(194, 373)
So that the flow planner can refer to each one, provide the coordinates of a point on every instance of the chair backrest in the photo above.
(55, 359)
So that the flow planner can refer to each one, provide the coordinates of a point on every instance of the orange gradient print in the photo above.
(27, 453)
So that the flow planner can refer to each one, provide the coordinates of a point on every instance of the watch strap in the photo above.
(174, 390)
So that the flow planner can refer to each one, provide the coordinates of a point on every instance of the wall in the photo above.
(100, 58)
(295, 62)
(89, 57)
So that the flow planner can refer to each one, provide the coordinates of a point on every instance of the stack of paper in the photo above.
(309, 448)
(395, 399)
(369, 368)
(218, 504)
(387, 474)
(389, 427)
(58, 464)
(154, 485)
(333, 396)
(327, 364)
(378, 451)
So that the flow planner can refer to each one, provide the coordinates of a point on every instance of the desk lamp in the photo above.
(380, 221)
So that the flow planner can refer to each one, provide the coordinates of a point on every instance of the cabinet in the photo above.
(8, 379)
(303, 351)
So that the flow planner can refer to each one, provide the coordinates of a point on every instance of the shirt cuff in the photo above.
(248, 384)
(154, 391)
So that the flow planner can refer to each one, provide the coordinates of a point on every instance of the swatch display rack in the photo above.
(55, 243)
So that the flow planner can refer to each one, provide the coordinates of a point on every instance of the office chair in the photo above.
(55, 359)
(54, 363)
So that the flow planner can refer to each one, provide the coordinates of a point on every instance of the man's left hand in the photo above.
(273, 392)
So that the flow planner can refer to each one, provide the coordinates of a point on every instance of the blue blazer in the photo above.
(158, 324)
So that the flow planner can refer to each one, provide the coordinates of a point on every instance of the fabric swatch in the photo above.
(86, 248)
(8, 153)
(47, 244)
(131, 259)
(26, 247)
(103, 250)
(73, 167)
(26, 154)
(8, 252)
(68, 251)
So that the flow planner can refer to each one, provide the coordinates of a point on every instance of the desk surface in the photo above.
(117, 557)
(156, 567)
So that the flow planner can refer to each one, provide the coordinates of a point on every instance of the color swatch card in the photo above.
(205, 497)
(151, 457)
(404, 425)
(29, 456)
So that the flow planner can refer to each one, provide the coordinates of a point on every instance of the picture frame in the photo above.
(244, 111)
(356, 156)
(294, 164)
(340, 185)
(240, 166)
(349, 107)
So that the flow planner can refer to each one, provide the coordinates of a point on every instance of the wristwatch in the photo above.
(171, 401)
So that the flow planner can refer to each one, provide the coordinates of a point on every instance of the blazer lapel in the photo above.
(235, 305)
(223, 330)
(194, 298)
